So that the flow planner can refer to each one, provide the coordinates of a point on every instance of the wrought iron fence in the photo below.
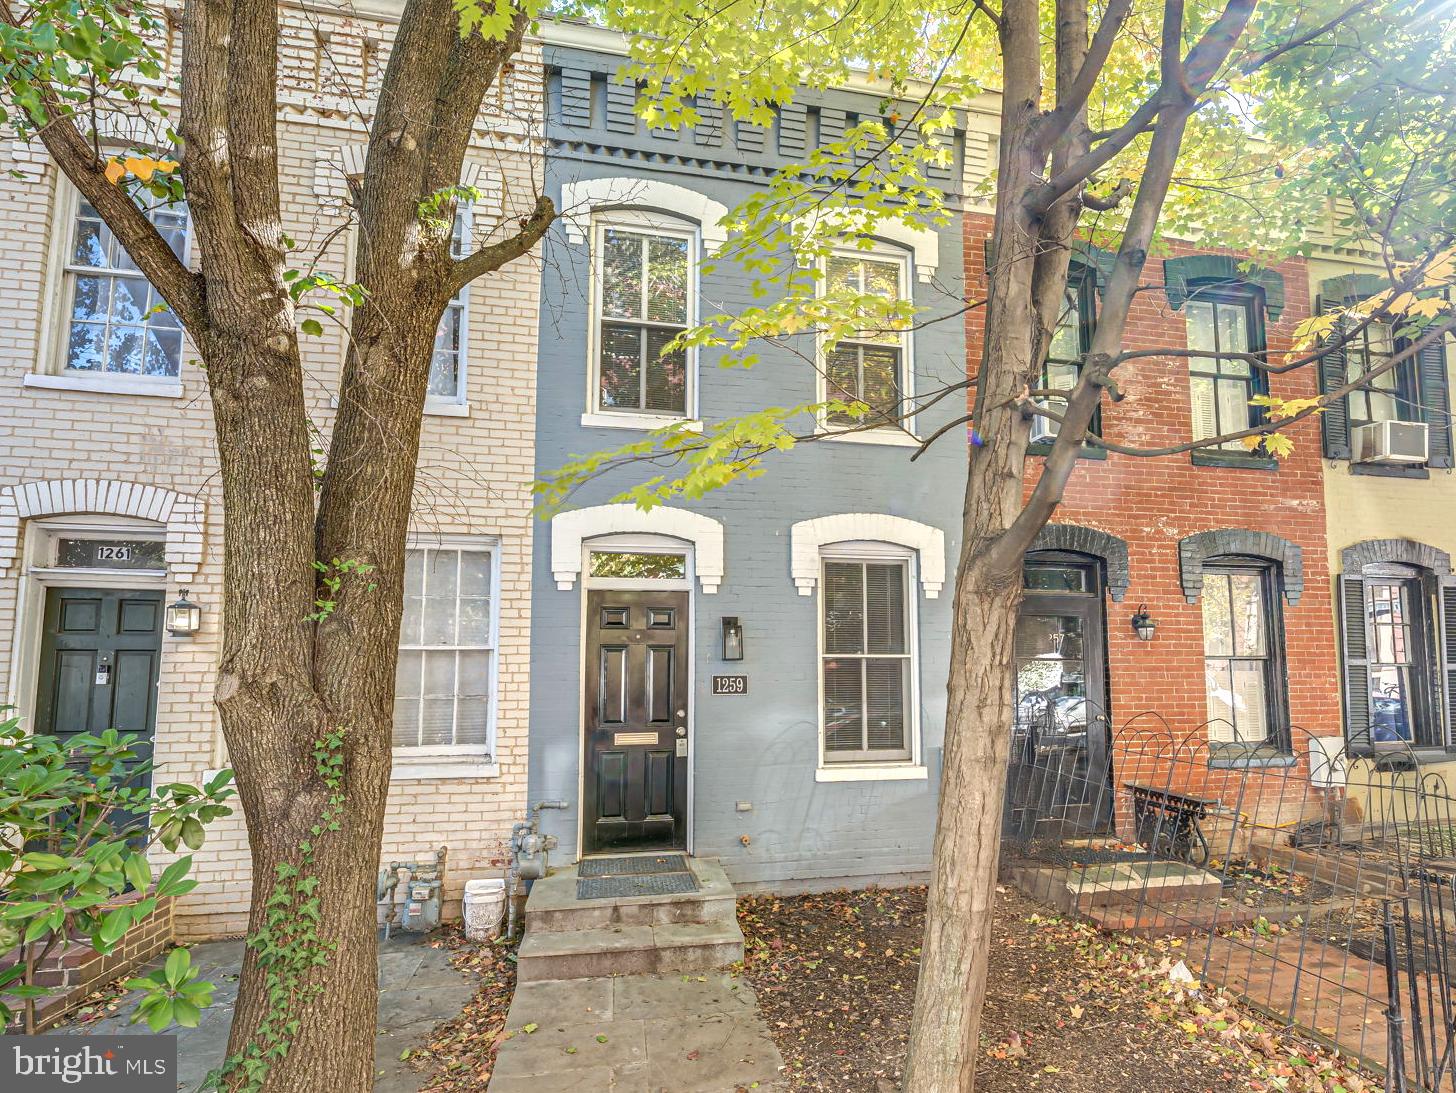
(1315, 881)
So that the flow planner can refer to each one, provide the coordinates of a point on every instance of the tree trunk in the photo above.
(952, 983)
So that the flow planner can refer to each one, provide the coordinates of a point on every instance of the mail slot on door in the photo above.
(621, 738)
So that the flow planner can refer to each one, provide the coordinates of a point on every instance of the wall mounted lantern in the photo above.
(1143, 624)
(184, 618)
(732, 638)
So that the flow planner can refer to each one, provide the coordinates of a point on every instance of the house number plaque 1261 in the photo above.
(730, 685)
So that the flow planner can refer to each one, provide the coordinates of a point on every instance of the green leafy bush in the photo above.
(77, 817)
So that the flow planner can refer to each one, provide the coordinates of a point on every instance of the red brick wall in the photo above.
(1153, 502)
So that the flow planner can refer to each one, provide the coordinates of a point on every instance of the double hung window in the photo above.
(1242, 645)
(117, 323)
(1221, 387)
(866, 660)
(645, 299)
(871, 366)
(445, 683)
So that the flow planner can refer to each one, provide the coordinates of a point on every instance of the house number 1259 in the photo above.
(730, 685)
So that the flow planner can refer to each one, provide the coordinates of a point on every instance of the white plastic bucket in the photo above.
(484, 906)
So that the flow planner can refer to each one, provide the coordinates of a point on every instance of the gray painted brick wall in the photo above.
(761, 748)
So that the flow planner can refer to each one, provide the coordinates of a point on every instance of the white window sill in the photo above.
(643, 422)
(408, 769)
(109, 385)
(892, 438)
(446, 408)
(870, 772)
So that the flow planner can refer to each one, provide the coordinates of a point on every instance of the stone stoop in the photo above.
(570, 938)
(1136, 897)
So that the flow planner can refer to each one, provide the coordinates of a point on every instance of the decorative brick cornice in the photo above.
(1197, 549)
(1099, 544)
(807, 537)
(1354, 559)
(181, 513)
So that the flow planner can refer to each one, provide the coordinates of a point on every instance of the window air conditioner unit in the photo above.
(1390, 442)
(1042, 429)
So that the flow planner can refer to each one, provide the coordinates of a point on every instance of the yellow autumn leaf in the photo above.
(1278, 445)
(142, 166)
(114, 170)
(1428, 308)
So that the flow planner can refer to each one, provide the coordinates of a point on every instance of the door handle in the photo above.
(682, 730)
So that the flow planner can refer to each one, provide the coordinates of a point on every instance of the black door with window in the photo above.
(99, 655)
(636, 733)
(1060, 769)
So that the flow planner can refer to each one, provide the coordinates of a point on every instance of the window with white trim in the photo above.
(866, 659)
(870, 366)
(447, 364)
(445, 683)
(116, 322)
(644, 270)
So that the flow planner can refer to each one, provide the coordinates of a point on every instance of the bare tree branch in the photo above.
(492, 257)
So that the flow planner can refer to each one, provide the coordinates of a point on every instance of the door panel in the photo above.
(99, 658)
(1060, 732)
(635, 739)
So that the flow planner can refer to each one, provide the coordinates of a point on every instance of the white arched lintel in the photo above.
(922, 243)
(582, 198)
(570, 529)
(808, 537)
(181, 513)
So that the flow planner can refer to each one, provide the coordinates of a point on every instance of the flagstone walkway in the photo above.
(637, 1034)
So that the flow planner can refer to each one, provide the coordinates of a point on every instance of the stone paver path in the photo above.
(418, 988)
(637, 1034)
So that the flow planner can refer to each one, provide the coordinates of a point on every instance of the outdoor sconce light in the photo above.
(732, 638)
(184, 618)
(1143, 624)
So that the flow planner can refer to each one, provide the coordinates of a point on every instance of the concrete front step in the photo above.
(554, 908)
(629, 950)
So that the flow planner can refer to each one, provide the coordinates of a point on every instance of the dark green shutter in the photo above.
(1435, 402)
(1353, 647)
(1335, 421)
(1447, 624)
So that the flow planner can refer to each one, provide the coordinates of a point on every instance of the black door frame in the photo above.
(1091, 607)
(637, 592)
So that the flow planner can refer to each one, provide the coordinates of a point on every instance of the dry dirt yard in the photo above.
(1067, 1009)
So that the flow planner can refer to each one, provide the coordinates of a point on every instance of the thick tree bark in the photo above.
(1035, 223)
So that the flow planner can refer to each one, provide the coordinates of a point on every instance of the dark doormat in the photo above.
(642, 884)
(631, 866)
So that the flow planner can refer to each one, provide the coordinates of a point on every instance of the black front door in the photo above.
(1060, 731)
(636, 783)
(99, 655)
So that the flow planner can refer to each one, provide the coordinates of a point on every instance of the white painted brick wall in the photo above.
(156, 454)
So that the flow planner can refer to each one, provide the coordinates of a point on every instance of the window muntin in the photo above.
(1220, 387)
(117, 322)
(447, 360)
(1390, 611)
(1390, 396)
(866, 661)
(645, 300)
(445, 682)
(1071, 339)
(1239, 656)
(870, 366)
